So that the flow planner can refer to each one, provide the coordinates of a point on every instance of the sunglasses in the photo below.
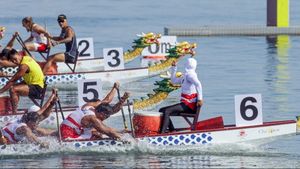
(60, 21)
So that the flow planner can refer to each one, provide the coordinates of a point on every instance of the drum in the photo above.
(147, 123)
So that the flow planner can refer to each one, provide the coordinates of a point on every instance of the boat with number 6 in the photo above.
(146, 127)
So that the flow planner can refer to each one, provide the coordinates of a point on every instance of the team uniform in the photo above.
(191, 92)
(9, 132)
(34, 78)
(71, 47)
(72, 129)
(40, 42)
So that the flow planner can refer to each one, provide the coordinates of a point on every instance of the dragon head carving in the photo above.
(183, 48)
(147, 39)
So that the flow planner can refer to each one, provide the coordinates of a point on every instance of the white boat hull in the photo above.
(123, 76)
(229, 134)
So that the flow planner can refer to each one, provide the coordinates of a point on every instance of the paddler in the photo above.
(32, 74)
(27, 127)
(86, 122)
(4, 62)
(67, 36)
(191, 94)
(37, 40)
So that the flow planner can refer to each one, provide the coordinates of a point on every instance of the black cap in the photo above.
(30, 117)
(4, 53)
(61, 17)
(104, 108)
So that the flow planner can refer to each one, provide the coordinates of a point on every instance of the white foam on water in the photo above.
(134, 147)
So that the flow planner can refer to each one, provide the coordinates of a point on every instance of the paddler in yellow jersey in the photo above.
(33, 79)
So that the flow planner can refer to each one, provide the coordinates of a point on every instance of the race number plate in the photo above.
(88, 90)
(248, 110)
(113, 58)
(85, 48)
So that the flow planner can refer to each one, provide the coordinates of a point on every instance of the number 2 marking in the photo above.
(87, 45)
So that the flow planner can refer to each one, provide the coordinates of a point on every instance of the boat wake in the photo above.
(133, 148)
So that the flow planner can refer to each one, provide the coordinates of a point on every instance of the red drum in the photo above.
(147, 123)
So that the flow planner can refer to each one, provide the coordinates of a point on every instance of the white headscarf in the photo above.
(191, 65)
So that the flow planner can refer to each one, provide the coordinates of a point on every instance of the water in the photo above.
(226, 66)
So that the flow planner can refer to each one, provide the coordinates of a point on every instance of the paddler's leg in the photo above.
(58, 57)
(168, 111)
(30, 46)
(16, 91)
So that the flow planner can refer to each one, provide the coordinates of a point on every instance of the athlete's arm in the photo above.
(99, 126)
(39, 29)
(109, 97)
(22, 70)
(68, 38)
(195, 81)
(10, 44)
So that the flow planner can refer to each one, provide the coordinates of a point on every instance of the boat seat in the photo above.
(41, 96)
(194, 117)
(74, 64)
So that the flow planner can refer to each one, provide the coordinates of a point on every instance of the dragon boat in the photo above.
(145, 131)
(128, 75)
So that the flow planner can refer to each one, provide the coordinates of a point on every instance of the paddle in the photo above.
(19, 39)
(129, 111)
(123, 115)
(57, 121)
(58, 102)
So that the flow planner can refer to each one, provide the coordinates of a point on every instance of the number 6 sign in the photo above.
(248, 110)
(88, 90)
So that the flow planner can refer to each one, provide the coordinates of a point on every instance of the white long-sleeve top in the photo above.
(189, 81)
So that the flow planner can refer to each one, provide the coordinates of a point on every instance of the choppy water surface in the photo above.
(226, 66)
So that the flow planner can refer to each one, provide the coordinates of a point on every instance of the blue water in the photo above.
(227, 66)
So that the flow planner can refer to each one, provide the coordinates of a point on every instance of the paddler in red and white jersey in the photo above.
(26, 128)
(37, 40)
(86, 122)
(191, 94)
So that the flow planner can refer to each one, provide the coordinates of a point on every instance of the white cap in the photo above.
(33, 108)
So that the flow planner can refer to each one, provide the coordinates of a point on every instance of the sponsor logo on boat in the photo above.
(268, 131)
(242, 133)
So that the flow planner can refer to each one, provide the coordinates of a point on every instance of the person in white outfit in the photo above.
(191, 94)
(37, 40)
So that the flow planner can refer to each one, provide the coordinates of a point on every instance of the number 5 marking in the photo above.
(87, 90)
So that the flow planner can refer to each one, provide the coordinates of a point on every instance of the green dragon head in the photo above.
(182, 49)
(146, 40)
